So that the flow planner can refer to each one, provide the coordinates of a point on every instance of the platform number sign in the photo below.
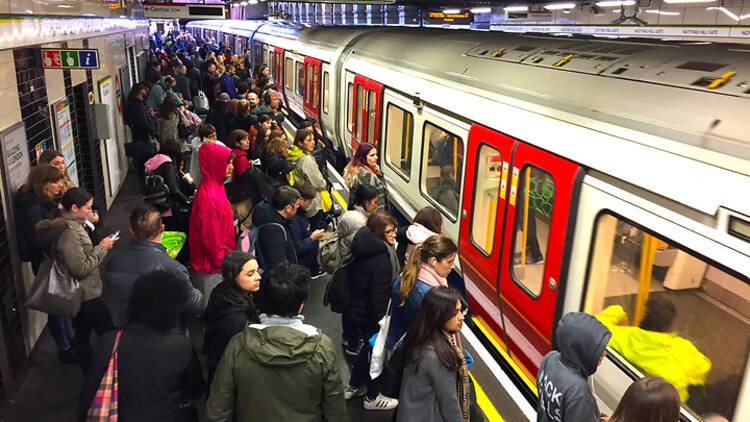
(70, 59)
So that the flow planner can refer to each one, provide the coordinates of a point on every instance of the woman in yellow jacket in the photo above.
(306, 169)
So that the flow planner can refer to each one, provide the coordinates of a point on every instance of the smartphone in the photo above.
(115, 235)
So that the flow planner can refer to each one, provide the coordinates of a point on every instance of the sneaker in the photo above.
(352, 349)
(318, 274)
(350, 392)
(380, 402)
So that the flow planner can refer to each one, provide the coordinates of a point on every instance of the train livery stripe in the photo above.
(484, 403)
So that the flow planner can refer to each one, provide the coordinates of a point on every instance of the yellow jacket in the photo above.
(666, 355)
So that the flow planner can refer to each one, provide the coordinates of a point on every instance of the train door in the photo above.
(481, 233)
(366, 111)
(312, 87)
(276, 64)
(327, 110)
(294, 82)
(347, 113)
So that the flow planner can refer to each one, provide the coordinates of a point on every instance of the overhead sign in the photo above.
(638, 31)
(449, 18)
(183, 11)
(70, 59)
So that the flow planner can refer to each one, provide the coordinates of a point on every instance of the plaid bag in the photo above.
(104, 406)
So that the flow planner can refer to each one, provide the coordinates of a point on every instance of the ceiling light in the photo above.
(559, 6)
(478, 10)
(243, 3)
(616, 3)
(688, 1)
(663, 13)
(451, 11)
(253, 2)
(725, 11)
(516, 9)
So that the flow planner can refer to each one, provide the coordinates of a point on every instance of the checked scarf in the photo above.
(462, 381)
(104, 406)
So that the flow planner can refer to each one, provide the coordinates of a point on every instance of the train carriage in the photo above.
(575, 175)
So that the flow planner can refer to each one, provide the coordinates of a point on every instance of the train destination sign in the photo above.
(450, 18)
(70, 58)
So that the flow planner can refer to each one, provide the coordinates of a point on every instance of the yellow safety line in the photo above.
(485, 404)
(511, 362)
(288, 134)
(340, 199)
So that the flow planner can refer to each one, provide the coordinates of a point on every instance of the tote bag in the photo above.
(104, 406)
(55, 291)
(378, 349)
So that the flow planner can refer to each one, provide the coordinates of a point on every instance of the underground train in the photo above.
(608, 176)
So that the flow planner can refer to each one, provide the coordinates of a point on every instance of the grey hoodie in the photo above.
(564, 394)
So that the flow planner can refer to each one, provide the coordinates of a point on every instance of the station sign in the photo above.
(70, 58)
(449, 18)
(183, 11)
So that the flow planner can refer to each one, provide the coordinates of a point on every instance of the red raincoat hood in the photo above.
(213, 159)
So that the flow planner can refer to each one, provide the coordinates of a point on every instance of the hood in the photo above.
(294, 153)
(280, 345)
(223, 302)
(365, 244)
(154, 162)
(213, 159)
(581, 339)
(417, 233)
(48, 231)
(265, 213)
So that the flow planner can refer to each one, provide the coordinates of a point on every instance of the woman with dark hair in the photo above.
(428, 222)
(363, 169)
(67, 241)
(230, 307)
(55, 159)
(306, 168)
(263, 76)
(242, 119)
(262, 136)
(436, 384)
(649, 399)
(364, 201)
(35, 201)
(168, 120)
(158, 371)
(239, 142)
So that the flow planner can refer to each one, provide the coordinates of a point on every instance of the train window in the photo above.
(372, 115)
(349, 106)
(326, 89)
(441, 167)
(672, 314)
(277, 67)
(300, 79)
(398, 140)
(316, 86)
(309, 80)
(484, 209)
(531, 230)
(358, 112)
(289, 73)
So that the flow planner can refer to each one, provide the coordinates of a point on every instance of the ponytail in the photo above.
(74, 196)
(437, 246)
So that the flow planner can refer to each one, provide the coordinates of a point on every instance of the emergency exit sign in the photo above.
(70, 59)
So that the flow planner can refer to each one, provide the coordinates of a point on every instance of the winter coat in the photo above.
(403, 316)
(218, 118)
(30, 209)
(210, 80)
(278, 370)
(211, 221)
(370, 280)
(277, 116)
(156, 95)
(665, 355)
(194, 77)
(270, 241)
(305, 247)
(428, 391)
(306, 169)
(162, 165)
(243, 121)
(565, 395)
(349, 223)
(125, 264)
(226, 316)
(69, 242)
(168, 130)
(140, 121)
(183, 86)
(227, 85)
(240, 162)
(365, 177)
(157, 371)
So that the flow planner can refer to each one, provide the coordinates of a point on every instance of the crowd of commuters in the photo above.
(253, 206)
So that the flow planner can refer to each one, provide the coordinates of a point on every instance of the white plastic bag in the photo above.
(378, 350)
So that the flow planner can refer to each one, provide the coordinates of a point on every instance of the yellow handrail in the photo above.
(648, 250)
(525, 215)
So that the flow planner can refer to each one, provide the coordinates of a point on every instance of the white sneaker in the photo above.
(350, 392)
(380, 402)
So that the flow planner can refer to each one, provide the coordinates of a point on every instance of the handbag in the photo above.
(183, 130)
(104, 406)
(54, 291)
(393, 371)
(378, 349)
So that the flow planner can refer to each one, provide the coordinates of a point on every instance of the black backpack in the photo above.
(338, 292)
(156, 192)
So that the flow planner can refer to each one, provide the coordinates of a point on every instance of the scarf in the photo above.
(428, 275)
(462, 381)
(395, 265)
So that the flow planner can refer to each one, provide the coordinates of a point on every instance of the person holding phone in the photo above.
(306, 240)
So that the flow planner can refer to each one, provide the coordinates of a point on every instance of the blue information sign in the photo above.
(88, 58)
(70, 59)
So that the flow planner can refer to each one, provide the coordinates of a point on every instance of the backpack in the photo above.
(156, 192)
(247, 242)
(329, 252)
(338, 292)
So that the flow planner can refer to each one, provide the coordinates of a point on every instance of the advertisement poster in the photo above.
(15, 155)
(107, 96)
(64, 129)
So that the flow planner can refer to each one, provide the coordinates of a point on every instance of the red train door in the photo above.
(366, 112)
(541, 188)
(312, 87)
(481, 233)
(276, 70)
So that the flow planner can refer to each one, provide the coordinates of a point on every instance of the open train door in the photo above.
(366, 112)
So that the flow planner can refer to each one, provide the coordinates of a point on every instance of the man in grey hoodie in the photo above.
(564, 394)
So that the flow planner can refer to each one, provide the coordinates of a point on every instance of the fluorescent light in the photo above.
(559, 6)
(729, 13)
(253, 2)
(451, 11)
(663, 13)
(243, 3)
(516, 9)
(616, 3)
(478, 10)
(688, 1)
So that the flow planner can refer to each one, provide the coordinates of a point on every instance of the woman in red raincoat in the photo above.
(211, 221)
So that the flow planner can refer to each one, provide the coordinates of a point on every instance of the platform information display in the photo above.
(70, 59)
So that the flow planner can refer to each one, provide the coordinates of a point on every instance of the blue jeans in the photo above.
(361, 372)
(61, 329)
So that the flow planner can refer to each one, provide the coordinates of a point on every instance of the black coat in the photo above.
(156, 372)
(226, 316)
(210, 81)
(168, 172)
(270, 240)
(243, 121)
(183, 86)
(140, 121)
(30, 209)
(370, 280)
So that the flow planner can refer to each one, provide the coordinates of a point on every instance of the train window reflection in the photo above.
(349, 106)
(289, 74)
(372, 114)
(316, 87)
(300, 80)
(358, 112)
(398, 140)
(671, 314)
(486, 186)
(326, 89)
(534, 205)
(441, 171)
